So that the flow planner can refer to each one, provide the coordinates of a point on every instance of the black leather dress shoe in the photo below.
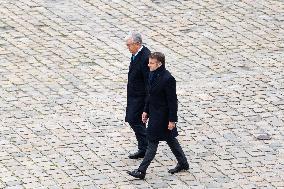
(139, 154)
(137, 174)
(179, 168)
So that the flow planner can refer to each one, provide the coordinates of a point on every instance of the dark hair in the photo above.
(158, 56)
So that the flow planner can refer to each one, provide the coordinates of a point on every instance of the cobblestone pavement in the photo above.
(63, 71)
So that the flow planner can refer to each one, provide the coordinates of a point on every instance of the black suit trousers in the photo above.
(140, 133)
(152, 150)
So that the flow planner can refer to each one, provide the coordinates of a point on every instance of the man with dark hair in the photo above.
(136, 90)
(161, 109)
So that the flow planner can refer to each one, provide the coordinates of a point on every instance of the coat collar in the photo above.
(160, 71)
(138, 50)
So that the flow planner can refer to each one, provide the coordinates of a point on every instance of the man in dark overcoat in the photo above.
(136, 90)
(161, 109)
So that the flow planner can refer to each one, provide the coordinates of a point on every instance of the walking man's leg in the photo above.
(179, 154)
(149, 156)
(140, 133)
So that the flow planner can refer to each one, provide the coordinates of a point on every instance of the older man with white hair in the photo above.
(136, 90)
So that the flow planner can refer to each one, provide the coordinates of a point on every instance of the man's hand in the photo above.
(171, 125)
(144, 117)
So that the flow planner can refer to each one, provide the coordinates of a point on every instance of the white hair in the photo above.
(135, 36)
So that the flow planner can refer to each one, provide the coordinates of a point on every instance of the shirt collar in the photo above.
(139, 50)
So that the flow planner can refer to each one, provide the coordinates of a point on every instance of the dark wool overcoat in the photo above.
(161, 106)
(136, 86)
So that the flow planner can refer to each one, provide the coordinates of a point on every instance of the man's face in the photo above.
(153, 64)
(132, 47)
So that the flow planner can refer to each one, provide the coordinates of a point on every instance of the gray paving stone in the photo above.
(63, 72)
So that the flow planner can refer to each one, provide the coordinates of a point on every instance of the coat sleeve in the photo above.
(145, 68)
(172, 99)
(146, 106)
(145, 73)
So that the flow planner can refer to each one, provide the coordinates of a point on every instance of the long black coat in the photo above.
(136, 86)
(161, 106)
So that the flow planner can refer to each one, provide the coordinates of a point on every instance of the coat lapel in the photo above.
(155, 84)
(131, 65)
